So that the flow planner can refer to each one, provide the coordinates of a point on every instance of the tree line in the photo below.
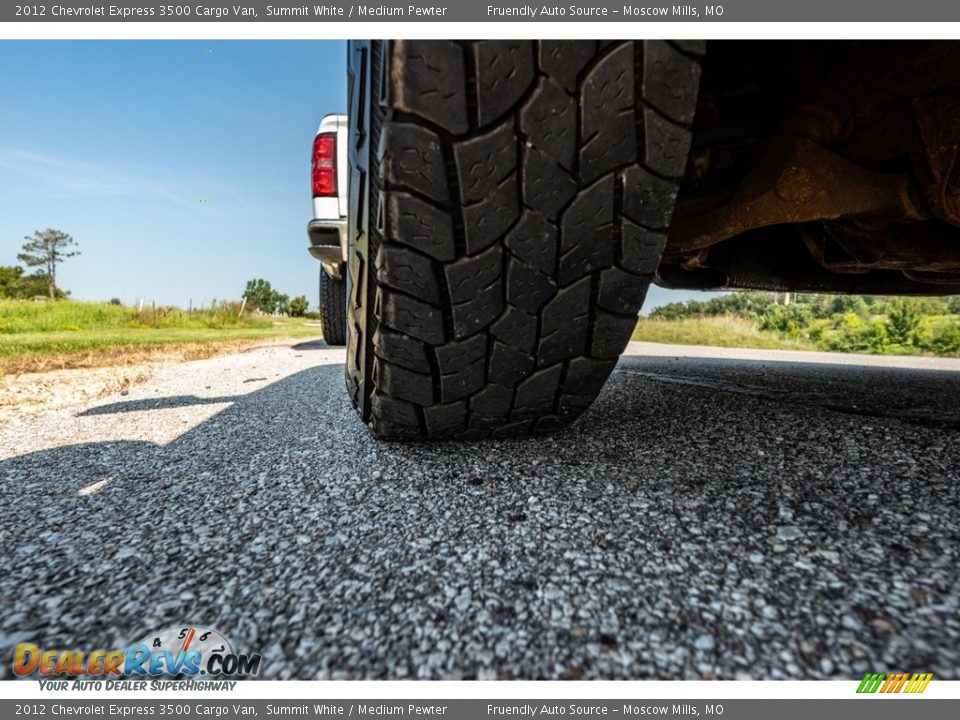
(46, 249)
(846, 323)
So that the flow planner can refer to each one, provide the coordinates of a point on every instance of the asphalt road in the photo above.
(716, 514)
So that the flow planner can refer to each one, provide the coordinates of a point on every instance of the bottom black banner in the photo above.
(874, 707)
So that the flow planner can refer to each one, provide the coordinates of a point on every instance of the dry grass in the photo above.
(722, 331)
(55, 355)
(46, 336)
(122, 356)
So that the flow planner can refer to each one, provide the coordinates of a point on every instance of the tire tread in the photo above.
(514, 198)
(333, 309)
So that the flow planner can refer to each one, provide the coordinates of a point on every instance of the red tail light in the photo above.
(325, 165)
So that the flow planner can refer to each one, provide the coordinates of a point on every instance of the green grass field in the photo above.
(45, 335)
(721, 331)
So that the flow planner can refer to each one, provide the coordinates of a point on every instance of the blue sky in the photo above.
(180, 168)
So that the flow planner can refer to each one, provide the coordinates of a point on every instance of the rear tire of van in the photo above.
(509, 203)
(333, 309)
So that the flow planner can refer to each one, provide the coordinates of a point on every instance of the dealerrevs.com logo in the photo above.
(183, 651)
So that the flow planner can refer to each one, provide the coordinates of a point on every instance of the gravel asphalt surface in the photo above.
(718, 513)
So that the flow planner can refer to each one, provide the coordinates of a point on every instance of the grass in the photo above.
(38, 336)
(723, 331)
(25, 316)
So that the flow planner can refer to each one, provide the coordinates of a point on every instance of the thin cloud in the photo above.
(71, 176)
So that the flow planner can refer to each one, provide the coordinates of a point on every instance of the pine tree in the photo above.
(46, 250)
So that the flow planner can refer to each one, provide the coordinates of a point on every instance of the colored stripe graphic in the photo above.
(920, 683)
(894, 683)
(890, 684)
(870, 683)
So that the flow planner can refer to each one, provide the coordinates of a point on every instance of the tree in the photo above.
(789, 319)
(14, 284)
(844, 304)
(36, 285)
(11, 277)
(298, 306)
(261, 295)
(46, 250)
(946, 338)
(903, 318)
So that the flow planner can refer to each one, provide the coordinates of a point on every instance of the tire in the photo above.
(333, 309)
(509, 205)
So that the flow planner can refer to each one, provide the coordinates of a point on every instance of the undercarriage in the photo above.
(822, 166)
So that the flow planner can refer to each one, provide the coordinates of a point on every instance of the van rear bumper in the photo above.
(328, 244)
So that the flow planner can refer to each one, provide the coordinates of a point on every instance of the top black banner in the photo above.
(478, 11)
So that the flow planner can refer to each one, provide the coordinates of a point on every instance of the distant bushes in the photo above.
(839, 323)
(744, 305)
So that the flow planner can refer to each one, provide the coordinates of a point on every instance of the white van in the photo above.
(328, 229)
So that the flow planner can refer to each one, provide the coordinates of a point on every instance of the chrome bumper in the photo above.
(328, 244)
